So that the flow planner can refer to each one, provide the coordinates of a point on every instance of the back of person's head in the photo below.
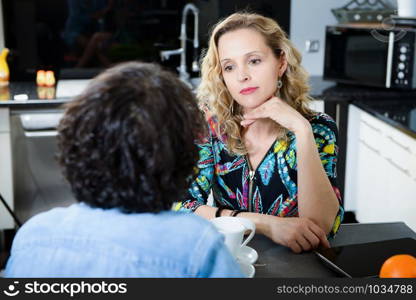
(128, 141)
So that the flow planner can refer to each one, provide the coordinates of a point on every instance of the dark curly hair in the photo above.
(128, 141)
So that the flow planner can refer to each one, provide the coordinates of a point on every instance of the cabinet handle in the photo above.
(371, 126)
(400, 145)
(369, 147)
(390, 50)
(40, 134)
(405, 171)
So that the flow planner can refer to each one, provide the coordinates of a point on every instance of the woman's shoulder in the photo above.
(324, 126)
(213, 126)
(320, 119)
(212, 122)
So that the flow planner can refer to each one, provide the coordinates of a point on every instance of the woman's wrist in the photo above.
(225, 212)
(303, 128)
(262, 221)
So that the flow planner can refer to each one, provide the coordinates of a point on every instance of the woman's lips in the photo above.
(248, 91)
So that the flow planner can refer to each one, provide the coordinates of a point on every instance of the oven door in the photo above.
(356, 56)
(38, 182)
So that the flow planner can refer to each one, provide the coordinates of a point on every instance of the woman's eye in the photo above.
(228, 68)
(255, 61)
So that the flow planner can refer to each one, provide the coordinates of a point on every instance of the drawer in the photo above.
(372, 122)
(372, 134)
(401, 140)
(400, 150)
(4, 120)
(396, 147)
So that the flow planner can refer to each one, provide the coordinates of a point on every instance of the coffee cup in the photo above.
(233, 229)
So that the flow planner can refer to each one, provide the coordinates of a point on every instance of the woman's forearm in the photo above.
(206, 211)
(300, 234)
(316, 197)
(260, 220)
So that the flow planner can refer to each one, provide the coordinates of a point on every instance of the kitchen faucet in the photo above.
(183, 74)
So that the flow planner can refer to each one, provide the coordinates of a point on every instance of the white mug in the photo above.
(233, 229)
(406, 8)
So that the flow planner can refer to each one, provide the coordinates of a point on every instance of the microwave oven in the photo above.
(370, 56)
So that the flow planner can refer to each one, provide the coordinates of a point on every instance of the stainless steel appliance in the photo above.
(371, 56)
(38, 183)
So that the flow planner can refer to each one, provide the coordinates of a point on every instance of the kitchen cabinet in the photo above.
(381, 171)
(317, 105)
(30, 178)
(6, 180)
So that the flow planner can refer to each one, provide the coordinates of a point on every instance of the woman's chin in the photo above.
(252, 106)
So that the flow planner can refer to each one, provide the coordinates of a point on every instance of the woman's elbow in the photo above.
(325, 222)
(329, 222)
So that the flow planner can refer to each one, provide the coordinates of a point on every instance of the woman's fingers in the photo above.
(309, 236)
(263, 111)
(312, 239)
(304, 243)
(320, 234)
(246, 123)
(258, 113)
(299, 234)
(295, 246)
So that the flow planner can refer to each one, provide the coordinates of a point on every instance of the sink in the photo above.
(192, 83)
(195, 82)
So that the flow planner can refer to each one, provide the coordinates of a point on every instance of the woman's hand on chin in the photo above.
(280, 112)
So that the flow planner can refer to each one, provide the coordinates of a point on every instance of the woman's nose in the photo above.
(243, 76)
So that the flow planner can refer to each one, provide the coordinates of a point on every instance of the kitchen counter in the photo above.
(400, 114)
(395, 107)
(319, 86)
(321, 89)
(278, 261)
(37, 97)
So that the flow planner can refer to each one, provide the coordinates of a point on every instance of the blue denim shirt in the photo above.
(80, 241)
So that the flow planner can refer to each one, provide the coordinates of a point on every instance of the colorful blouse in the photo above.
(272, 187)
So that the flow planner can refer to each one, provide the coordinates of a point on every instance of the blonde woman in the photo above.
(268, 157)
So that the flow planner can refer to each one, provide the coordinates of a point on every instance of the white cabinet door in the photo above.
(351, 168)
(371, 183)
(6, 174)
(317, 105)
(401, 195)
(401, 158)
(381, 171)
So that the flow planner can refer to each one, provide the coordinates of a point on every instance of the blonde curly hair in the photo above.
(214, 96)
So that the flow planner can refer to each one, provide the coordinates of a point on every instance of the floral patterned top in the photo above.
(272, 187)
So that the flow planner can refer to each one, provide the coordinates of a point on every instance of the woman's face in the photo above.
(249, 67)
